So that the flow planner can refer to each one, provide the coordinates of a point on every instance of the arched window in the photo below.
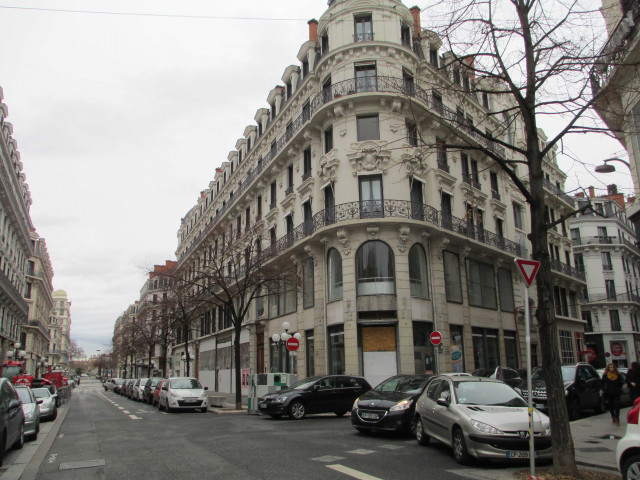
(375, 269)
(334, 269)
(418, 272)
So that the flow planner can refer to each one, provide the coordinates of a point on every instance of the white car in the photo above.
(628, 450)
(48, 407)
(182, 393)
(138, 389)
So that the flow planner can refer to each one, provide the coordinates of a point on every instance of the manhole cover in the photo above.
(82, 464)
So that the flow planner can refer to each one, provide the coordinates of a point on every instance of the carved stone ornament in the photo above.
(343, 238)
(372, 231)
(415, 164)
(328, 167)
(403, 235)
(369, 158)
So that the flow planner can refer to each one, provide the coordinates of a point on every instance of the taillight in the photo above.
(632, 416)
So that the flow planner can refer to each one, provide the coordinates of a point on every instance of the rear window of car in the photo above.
(41, 392)
(25, 396)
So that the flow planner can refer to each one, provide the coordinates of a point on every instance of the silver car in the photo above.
(31, 410)
(48, 407)
(479, 417)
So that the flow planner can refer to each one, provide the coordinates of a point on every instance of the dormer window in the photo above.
(273, 111)
(305, 68)
(433, 57)
(289, 90)
(363, 27)
(324, 43)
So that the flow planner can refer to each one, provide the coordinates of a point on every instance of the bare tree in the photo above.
(75, 351)
(525, 60)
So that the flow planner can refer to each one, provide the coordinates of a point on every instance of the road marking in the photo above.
(352, 473)
(328, 458)
(361, 451)
(133, 417)
(61, 436)
(120, 408)
(392, 447)
(126, 411)
(81, 464)
(52, 458)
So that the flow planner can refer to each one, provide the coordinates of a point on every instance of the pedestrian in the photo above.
(612, 388)
(633, 380)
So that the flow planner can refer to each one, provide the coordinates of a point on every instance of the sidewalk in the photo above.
(228, 403)
(595, 439)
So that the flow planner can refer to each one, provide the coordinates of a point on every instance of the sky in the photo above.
(121, 121)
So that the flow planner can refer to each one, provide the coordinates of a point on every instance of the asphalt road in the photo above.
(105, 436)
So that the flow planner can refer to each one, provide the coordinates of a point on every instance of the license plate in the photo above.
(190, 402)
(370, 416)
(538, 405)
(519, 454)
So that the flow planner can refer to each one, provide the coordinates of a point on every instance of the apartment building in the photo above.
(606, 248)
(15, 243)
(34, 333)
(394, 234)
(59, 329)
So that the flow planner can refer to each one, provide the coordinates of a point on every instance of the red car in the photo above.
(156, 392)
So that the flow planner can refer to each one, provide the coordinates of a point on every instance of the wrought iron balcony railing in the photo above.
(557, 191)
(561, 267)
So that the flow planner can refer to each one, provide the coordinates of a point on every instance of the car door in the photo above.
(14, 412)
(442, 416)
(323, 396)
(591, 386)
(426, 405)
(348, 389)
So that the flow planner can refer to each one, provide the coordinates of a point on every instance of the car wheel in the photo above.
(297, 410)
(412, 424)
(574, 408)
(275, 416)
(460, 447)
(2, 448)
(204, 410)
(20, 441)
(54, 415)
(340, 413)
(105, 389)
(631, 468)
(421, 437)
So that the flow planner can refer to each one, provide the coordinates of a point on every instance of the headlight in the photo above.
(355, 404)
(204, 394)
(281, 399)
(403, 405)
(29, 415)
(484, 428)
(547, 431)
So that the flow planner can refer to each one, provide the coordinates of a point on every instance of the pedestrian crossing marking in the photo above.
(328, 458)
(353, 473)
(361, 451)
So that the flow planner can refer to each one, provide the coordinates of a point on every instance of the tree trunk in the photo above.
(238, 372)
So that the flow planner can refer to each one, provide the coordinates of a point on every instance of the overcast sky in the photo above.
(121, 121)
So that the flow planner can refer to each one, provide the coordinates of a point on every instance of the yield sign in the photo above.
(528, 269)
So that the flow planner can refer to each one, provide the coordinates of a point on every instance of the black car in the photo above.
(581, 386)
(150, 386)
(508, 375)
(11, 418)
(390, 405)
(329, 393)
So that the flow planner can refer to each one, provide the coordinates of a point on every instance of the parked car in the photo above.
(628, 449)
(149, 387)
(156, 392)
(118, 382)
(31, 410)
(181, 393)
(109, 384)
(138, 389)
(390, 405)
(330, 393)
(129, 390)
(581, 386)
(479, 417)
(11, 418)
(48, 407)
(508, 375)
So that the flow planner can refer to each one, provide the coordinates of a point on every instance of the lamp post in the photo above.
(606, 168)
(280, 340)
(185, 361)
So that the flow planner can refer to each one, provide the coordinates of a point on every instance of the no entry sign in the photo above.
(436, 338)
(293, 344)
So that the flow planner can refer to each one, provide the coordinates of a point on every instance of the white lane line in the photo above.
(361, 451)
(120, 408)
(134, 417)
(352, 473)
(126, 411)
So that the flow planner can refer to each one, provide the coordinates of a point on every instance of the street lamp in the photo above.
(606, 168)
(280, 339)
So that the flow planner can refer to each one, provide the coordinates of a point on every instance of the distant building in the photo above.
(60, 330)
(605, 246)
(35, 332)
(15, 242)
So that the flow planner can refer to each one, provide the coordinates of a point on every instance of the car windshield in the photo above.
(185, 383)
(305, 383)
(401, 383)
(488, 393)
(41, 392)
(23, 393)
(154, 382)
(568, 373)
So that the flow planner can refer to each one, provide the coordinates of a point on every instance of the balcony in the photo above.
(468, 179)
(7, 288)
(557, 191)
(558, 266)
(620, 297)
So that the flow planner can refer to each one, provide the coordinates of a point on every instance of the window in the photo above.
(368, 128)
(328, 140)
(418, 272)
(511, 349)
(412, 134)
(307, 283)
(27, 290)
(259, 207)
(273, 195)
(505, 287)
(495, 191)
(363, 28)
(336, 350)
(366, 79)
(567, 351)
(375, 269)
(441, 152)
(371, 196)
(485, 100)
(305, 68)
(324, 42)
(405, 35)
(433, 57)
(606, 261)
(481, 285)
(485, 347)
(310, 344)
(282, 298)
(306, 163)
(452, 281)
(578, 261)
(610, 288)
(517, 216)
(329, 205)
(289, 190)
(334, 269)
(438, 106)
(457, 349)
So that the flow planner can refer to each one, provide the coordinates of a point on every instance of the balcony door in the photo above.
(371, 196)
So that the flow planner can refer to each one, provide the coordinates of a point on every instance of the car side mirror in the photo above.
(14, 404)
(206, 388)
(443, 402)
(39, 401)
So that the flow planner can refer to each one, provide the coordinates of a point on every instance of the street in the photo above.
(107, 436)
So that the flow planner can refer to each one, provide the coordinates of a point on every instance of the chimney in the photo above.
(580, 194)
(592, 192)
(313, 30)
(612, 189)
(415, 13)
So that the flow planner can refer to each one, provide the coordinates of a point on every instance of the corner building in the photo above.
(394, 235)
